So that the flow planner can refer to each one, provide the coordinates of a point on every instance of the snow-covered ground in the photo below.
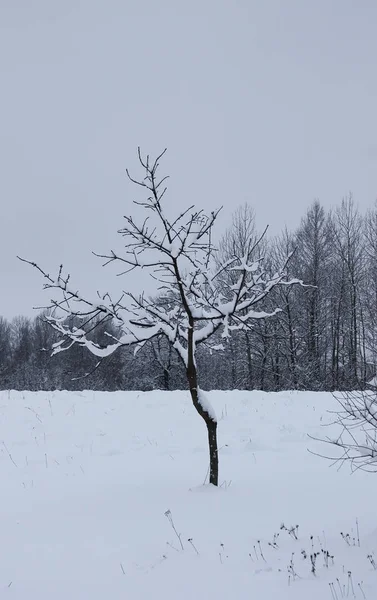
(87, 480)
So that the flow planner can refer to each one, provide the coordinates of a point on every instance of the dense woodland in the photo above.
(324, 338)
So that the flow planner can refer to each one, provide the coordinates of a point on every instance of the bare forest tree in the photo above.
(356, 418)
(369, 298)
(313, 262)
(195, 300)
(5, 348)
(285, 336)
(241, 239)
(348, 279)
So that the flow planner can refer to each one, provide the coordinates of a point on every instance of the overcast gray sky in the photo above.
(267, 101)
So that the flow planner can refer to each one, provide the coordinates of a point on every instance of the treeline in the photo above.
(324, 338)
(27, 363)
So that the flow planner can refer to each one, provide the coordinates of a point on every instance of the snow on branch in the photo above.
(192, 302)
(206, 405)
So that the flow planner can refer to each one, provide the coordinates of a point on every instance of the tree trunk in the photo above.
(213, 453)
(166, 379)
(192, 378)
(292, 346)
(233, 363)
(264, 361)
(212, 437)
(249, 362)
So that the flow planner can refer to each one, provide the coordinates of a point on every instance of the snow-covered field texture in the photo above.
(102, 496)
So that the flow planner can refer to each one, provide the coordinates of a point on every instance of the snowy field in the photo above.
(87, 480)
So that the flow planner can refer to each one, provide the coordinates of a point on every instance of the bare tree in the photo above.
(356, 442)
(5, 350)
(286, 339)
(165, 359)
(241, 239)
(370, 288)
(192, 305)
(348, 245)
(312, 262)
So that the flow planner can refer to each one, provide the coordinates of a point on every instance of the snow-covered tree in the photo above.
(192, 304)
